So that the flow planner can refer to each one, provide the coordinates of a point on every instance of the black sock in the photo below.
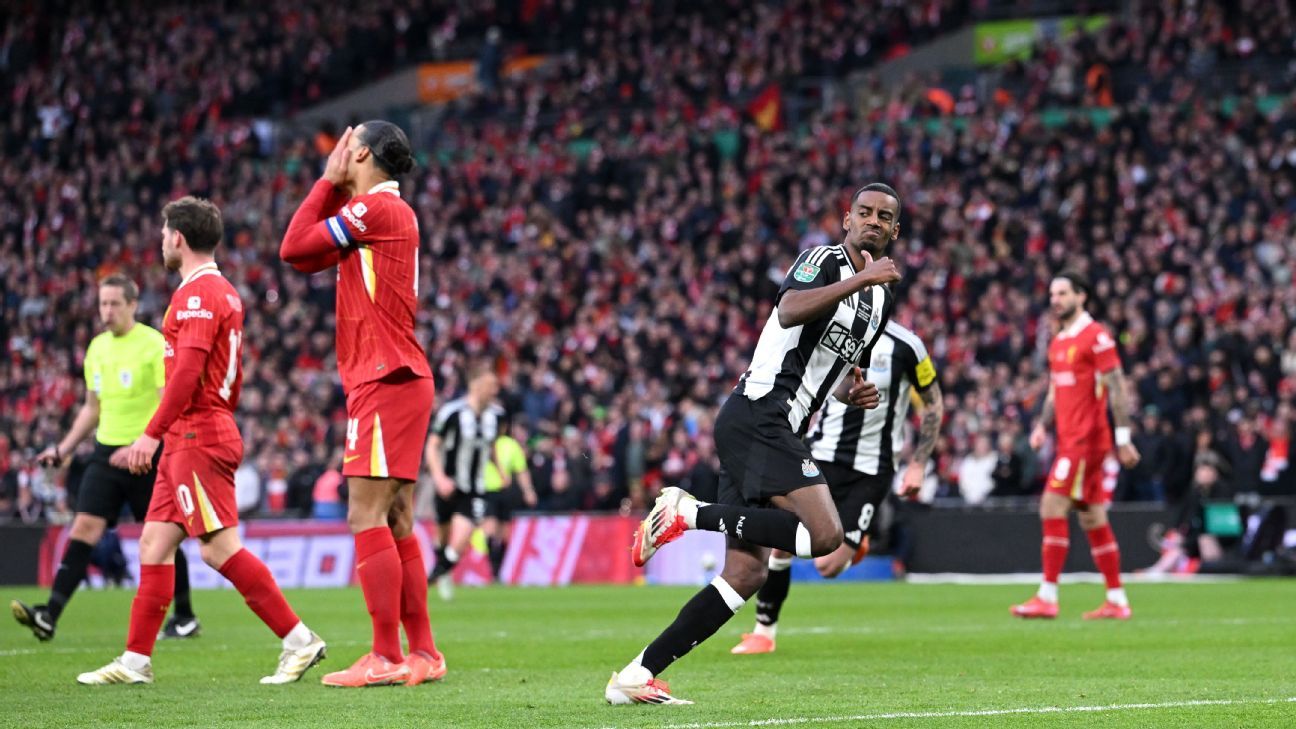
(444, 564)
(764, 527)
(183, 606)
(772, 595)
(496, 556)
(698, 620)
(71, 571)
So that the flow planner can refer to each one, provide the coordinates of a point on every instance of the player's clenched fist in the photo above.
(882, 271)
(863, 393)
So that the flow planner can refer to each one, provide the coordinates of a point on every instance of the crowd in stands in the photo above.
(616, 259)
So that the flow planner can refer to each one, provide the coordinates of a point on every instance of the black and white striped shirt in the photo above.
(799, 367)
(867, 440)
(467, 440)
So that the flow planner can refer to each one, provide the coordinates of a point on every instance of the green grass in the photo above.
(860, 653)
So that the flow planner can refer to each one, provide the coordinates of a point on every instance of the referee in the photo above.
(124, 377)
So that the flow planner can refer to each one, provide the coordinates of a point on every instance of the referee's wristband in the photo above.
(1122, 437)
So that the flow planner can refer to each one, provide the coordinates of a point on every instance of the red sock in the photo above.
(379, 567)
(149, 608)
(1102, 545)
(259, 589)
(1054, 550)
(414, 594)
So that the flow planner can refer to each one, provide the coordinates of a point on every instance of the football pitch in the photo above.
(849, 655)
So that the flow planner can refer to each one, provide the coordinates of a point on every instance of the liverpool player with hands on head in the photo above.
(856, 449)
(1084, 374)
(194, 491)
(124, 374)
(832, 308)
(354, 219)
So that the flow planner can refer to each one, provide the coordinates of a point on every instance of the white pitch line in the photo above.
(792, 721)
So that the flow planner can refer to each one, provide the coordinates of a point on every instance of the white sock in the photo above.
(299, 637)
(1116, 596)
(451, 554)
(778, 564)
(688, 509)
(634, 673)
(730, 595)
(803, 542)
(766, 630)
(1047, 591)
(135, 661)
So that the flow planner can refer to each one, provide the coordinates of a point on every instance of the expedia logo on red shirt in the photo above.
(194, 314)
(1064, 379)
(354, 217)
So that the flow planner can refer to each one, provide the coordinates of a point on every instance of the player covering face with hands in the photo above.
(355, 220)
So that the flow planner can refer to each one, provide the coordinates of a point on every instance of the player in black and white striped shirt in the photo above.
(462, 442)
(857, 449)
(831, 309)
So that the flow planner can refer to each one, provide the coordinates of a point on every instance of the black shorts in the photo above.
(501, 504)
(760, 456)
(471, 506)
(858, 497)
(105, 489)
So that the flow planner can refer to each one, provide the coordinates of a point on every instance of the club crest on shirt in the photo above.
(125, 377)
(806, 272)
(809, 469)
(880, 363)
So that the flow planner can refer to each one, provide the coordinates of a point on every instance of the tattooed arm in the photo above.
(933, 414)
(1118, 396)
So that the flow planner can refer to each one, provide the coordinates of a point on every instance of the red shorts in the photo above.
(1089, 478)
(195, 488)
(387, 426)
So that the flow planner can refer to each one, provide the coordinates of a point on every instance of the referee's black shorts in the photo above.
(760, 456)
(105, 488)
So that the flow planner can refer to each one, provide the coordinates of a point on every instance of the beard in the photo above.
(171, 261)
(1067, 313)
(874, 248)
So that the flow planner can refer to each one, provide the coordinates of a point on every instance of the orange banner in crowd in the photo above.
(441, 82)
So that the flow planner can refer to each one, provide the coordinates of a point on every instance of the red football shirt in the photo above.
(377, 287)
(206, 313)
(1078, 356)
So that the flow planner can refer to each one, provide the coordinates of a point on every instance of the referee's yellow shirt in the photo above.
(508, 452)
(126, 373)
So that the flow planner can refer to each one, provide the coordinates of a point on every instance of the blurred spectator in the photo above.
(1245, 451)
(247, 489)
(326, 497)
(1146, 481)
(1008, 475)
(976, 471)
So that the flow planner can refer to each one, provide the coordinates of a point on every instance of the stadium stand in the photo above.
(616, 257)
